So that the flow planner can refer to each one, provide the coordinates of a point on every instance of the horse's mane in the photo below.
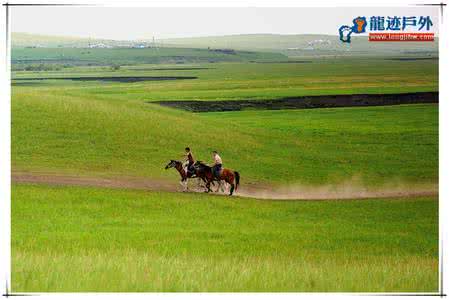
(202, 164)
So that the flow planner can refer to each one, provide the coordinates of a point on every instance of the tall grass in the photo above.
(85, 239)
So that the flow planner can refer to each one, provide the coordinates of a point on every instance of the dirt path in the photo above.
(122, 182)
(347, 190)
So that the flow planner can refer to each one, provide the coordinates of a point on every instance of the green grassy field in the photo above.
(248, 80)
(127, 56)
(84, 239)
(108, 129)
(91, 239)
(303, 146)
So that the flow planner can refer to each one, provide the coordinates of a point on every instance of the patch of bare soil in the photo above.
(347, 190)
(110, 78)
(173, 69)
(302, 102)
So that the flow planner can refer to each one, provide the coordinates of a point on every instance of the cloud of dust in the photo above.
(349, 189)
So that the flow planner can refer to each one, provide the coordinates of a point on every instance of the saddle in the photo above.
(217, 173)
(191, 172)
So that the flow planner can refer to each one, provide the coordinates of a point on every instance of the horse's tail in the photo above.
(237, 179)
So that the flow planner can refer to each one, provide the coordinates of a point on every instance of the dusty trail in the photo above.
(118, 182)
(347, 190)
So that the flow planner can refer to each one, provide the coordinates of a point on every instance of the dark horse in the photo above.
(227, 175)
(185, 175)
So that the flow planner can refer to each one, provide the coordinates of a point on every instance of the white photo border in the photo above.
(5, 144)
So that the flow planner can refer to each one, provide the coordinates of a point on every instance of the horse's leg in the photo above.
(230, 180)
(201, 183)
(182, 184)
(198, 183)
(206, 181)
(223, 186)
(232, 189)
(218, 187)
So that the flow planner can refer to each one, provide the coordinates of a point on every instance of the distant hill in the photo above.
(306, 44)
(23, 57)
(249, 41)
(26, 40)
(19, 39)
(302, 45)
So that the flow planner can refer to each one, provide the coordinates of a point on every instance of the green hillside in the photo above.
(290, 45)
(99, 127)
(20, 39)
(104, 56)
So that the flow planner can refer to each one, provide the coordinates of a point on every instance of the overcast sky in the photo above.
(146, 22)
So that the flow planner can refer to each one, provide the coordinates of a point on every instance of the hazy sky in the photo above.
(145, 22)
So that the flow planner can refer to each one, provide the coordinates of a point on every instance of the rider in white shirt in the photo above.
(216, 168)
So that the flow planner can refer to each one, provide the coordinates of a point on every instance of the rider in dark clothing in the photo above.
(190, 160)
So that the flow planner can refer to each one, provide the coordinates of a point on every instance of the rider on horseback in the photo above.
(216, 168)
(188, 164)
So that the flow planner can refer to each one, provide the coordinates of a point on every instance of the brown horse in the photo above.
(227, 175)
(186, 175)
